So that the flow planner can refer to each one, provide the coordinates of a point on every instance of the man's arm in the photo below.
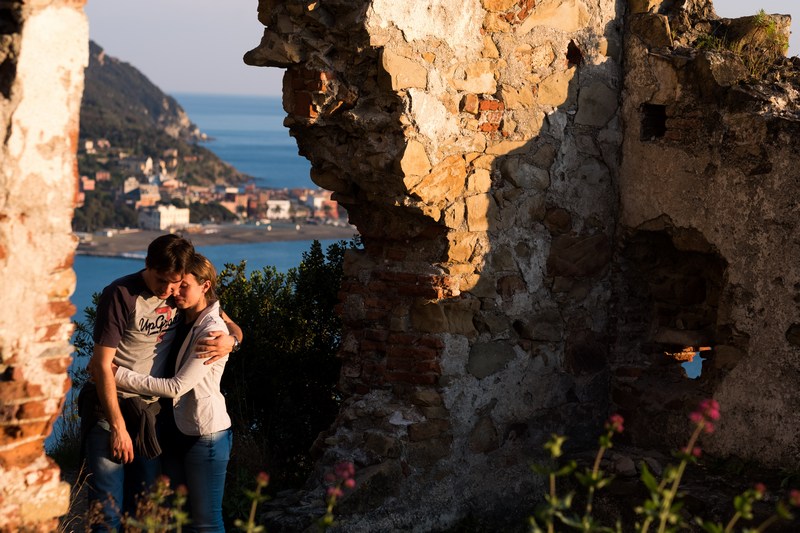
(217, 345)
(100, 368)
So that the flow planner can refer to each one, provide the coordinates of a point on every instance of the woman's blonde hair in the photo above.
(202, 269)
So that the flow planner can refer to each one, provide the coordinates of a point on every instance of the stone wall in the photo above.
(43, 51)
(709, 232)
(475, 146)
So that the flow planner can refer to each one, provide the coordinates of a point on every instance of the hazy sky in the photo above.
(196, 46)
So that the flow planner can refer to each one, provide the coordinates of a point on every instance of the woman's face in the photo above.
(191, 293)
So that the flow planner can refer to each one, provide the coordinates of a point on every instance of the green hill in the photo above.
(120, 104)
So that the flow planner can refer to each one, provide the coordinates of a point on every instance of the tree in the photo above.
(281, 386)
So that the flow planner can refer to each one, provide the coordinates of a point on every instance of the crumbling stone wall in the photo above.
(709, 216)
(43, 51)
(475, 146)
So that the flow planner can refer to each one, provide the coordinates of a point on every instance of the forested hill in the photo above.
(120, 104)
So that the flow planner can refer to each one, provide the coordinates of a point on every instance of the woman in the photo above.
(196, 437)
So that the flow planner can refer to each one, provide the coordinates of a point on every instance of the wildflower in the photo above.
(710, 409)
(335, 492)
(262, 479)
(344, 470)
(794, 497)
(350, 483)
(182, 491)
(695, 451)
(707, 413)
(616, 423)
(760, 489)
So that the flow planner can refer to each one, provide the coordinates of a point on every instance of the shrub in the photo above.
(281, 385)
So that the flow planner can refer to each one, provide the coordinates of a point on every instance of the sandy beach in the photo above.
(130, 241)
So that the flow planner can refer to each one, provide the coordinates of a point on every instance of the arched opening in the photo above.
(671, 282)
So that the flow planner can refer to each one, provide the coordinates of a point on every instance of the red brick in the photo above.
(376, 334)
(58, 365)
(23, 430)
(18, 390)
(22, 455)
(61, 309)
(31, 410)
(486, 127)
(491, 105)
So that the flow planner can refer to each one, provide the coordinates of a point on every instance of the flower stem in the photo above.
(669, 495)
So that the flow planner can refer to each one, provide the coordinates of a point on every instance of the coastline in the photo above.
(133, 243)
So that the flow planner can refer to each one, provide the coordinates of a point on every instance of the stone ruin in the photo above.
(552, 195)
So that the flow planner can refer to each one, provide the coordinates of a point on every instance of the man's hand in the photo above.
(217, 345)
(121, 446)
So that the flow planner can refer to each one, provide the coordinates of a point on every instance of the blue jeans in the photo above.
(113, 484)
(202, 469)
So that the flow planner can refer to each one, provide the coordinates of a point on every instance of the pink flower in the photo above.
(707, 412)
(696, 451)
(344, 470)
(794, 497)
(710, 408)
(350, 483)
(335, 492)
(760, 489)
(616, 423)
(262, 479)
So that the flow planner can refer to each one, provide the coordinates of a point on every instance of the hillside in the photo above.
(120, 104)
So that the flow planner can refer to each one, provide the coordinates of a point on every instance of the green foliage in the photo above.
(758, 48)
(210, 212)
(101, 211)
(664, 508)
(281, 385)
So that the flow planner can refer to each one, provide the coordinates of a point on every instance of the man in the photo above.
(135, 326)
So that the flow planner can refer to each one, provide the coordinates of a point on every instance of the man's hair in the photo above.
(169, 253)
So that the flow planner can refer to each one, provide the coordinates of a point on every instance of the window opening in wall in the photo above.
(654, 122)
(691, 359)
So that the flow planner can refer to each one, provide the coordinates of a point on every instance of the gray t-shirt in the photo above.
(138, 324)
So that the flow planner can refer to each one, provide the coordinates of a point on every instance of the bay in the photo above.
(248, 133)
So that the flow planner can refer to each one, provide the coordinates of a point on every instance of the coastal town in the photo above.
(151, 189)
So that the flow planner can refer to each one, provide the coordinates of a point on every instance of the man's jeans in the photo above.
(113, 484)
(202, 469)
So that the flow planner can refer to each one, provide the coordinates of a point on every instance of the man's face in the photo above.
(162, 284)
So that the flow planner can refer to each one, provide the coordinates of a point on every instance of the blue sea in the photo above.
(248, 133)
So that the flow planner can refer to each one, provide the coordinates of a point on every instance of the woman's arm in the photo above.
(189, 375)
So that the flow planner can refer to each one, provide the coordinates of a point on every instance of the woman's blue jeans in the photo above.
(202, 469)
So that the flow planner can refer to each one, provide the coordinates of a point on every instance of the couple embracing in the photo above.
(155, 407)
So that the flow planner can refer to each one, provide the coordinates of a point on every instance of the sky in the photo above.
(196, 46)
